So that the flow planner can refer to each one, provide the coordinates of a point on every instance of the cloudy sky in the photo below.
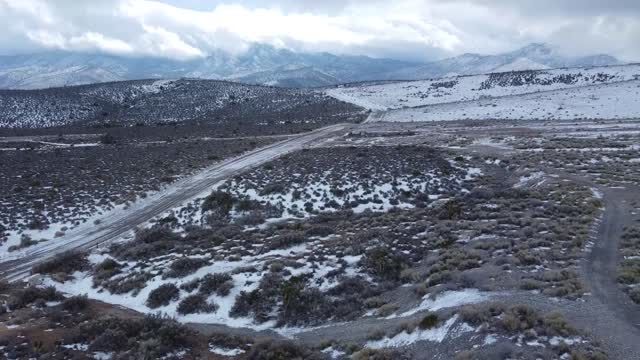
(405, 29)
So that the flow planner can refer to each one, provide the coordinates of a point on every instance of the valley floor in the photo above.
(466, 240)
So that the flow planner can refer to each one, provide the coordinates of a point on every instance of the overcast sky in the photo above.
(405, 29)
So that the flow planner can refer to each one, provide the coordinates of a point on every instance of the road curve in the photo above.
(116, 224)
(608, 313)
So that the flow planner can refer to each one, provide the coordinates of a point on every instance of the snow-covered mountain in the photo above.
(266, 65)
(261, 64)
(531, 57)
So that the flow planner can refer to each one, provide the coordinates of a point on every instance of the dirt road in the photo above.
(116, 224)
(608, 313)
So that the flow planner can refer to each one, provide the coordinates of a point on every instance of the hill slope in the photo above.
(170, 101)
(397, 95)
(614, 101)
(531, 57)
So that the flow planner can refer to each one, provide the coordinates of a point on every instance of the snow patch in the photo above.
(438, 334)
(447, 299)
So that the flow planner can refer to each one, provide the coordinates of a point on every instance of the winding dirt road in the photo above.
(601, 271)
(609, 314)
(117, 224)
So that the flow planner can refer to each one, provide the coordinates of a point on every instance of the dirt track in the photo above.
(600, 273)
(608, 313)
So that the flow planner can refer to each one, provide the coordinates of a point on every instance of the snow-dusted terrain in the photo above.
(410, 94)
(363, 241)
(268, 65)
(608, 101)
(166, 101)
(113, 225)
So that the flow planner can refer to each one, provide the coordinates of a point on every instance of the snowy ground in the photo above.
(499, 244)
(411, 94)
(611, 101)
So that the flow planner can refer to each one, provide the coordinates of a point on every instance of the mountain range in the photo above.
(267, 65)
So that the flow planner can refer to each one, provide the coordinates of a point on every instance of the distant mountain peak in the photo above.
(267, 64)
(535, 56)
(536, 48)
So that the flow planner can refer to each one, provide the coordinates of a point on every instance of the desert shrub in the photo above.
(374, 354)
(151, 337)
(106, 270)
(386, 310)
(25, 242)
(250, 219)
(300, 306)
(133, 282)
(163, 296)
(65, 263)
(629, 272)
(76, 303)
(634, 294)
(190, 286)
(194, 304)
(554, 324)
(477, 315)
(24, 297)
(218, 201)
(564, 283)
(184, 266)
(260, 302)
(429, 321)
(220, 284)
(247, 205)
(519, 318)
(529, 284)
(202, 237)
(578, 354)
(229, 341)
(245, 269)
(319, 230)
(287, 239)
(296, 304)
(276, 266)
(107, 139)
(527, 258)
(451, 210)
(384, 264)
(273, 188)
(439, 277)
(155, 234)
(279, 350)
(350, 297)
(376, 335)
(110, 340)
(147, 243)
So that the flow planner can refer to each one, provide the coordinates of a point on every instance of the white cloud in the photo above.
(417, 29)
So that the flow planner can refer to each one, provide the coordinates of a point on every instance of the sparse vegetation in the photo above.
(195, 304)
(163, 295)
(184, 266)
(31, 295)
(63, 265)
